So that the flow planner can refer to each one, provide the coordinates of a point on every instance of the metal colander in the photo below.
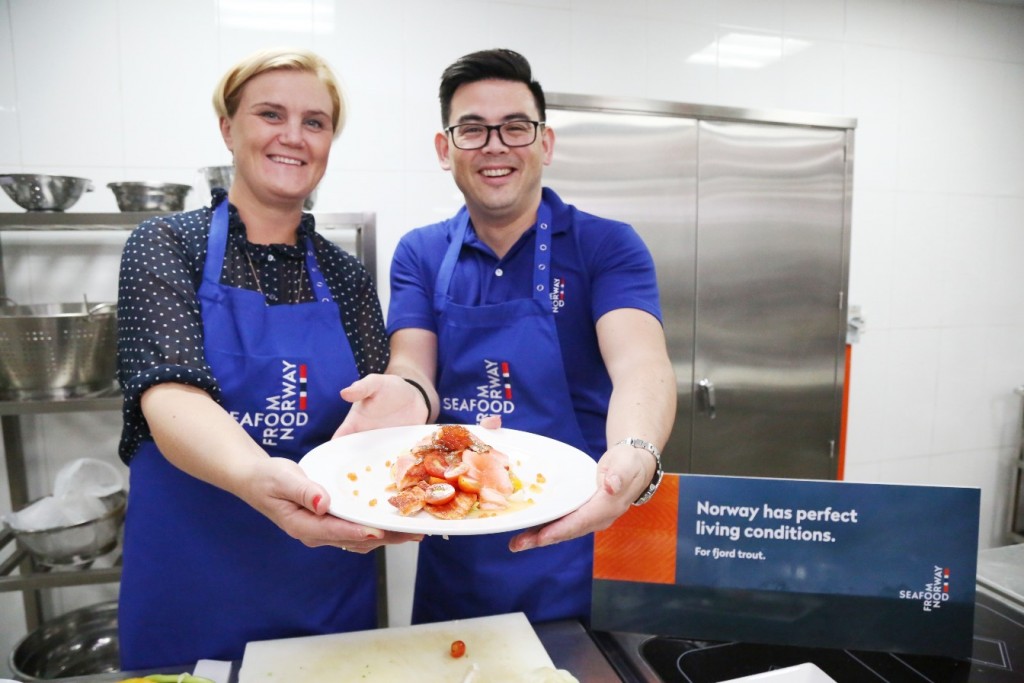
(54, 351)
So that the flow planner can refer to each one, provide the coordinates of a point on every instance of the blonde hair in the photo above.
(228, 92)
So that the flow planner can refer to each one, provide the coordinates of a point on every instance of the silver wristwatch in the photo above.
(658, 472)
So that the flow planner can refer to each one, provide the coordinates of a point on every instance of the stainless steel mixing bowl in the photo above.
(54, 351)
(218, 176)
(79, 643)
(38, 192)
(145, 196)
(77, 544)
(221, 176)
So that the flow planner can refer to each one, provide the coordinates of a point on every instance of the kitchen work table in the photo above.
(633, 658)
(567, 642)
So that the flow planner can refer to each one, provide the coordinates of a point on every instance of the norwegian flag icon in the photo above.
(303, 388)
(506, 379)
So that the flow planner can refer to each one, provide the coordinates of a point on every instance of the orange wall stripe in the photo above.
(641, 545)
(841, 470)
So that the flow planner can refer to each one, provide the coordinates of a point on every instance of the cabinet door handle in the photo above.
(707, 389)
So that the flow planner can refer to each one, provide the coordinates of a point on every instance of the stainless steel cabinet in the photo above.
(747, 216)
(1016, 530)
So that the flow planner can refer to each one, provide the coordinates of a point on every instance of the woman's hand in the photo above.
(381, 401)
(623, 474)
(189, 426)
(279, 489)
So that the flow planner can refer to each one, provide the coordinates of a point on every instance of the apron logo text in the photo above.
(283, 412)
(293, 382)
(494, 397)
(557, 294)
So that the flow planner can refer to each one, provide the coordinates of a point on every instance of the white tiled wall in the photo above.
(119, 90)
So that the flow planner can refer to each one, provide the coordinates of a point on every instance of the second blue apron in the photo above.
(470, 576)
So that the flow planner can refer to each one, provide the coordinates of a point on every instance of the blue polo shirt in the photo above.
(597, 265)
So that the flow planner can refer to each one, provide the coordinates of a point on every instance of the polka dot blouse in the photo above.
(160, 328)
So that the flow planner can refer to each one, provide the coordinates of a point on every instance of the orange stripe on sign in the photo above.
(641, 545)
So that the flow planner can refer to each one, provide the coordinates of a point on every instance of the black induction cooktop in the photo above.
(997, 656)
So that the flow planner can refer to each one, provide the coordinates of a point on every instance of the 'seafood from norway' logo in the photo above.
(935, 592)
(557, 294)
(283, 411)
(493, 397)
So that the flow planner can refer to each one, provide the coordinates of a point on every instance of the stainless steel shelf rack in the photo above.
(34, 577)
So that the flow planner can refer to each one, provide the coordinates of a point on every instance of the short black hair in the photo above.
(500, 64)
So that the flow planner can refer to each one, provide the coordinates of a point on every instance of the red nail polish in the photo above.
(316, 501)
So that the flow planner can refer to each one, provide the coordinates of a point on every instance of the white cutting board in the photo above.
(504, 648)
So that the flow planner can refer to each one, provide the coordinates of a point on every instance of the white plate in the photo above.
(802, 673)
(355, 471)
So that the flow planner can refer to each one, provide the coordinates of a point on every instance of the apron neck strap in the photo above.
(216, 243)
(316, 277)
(541, 257)
(216, 247)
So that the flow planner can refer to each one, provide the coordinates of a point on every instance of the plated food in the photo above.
(452, 474)
(549, 479)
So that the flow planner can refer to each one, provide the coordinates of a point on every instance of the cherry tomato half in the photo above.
(469, 484)
(458, 648)
(435, 464)
(439, 494)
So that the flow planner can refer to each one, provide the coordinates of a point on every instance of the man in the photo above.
(565, 302)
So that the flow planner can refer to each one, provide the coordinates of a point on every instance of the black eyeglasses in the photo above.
(518, 133)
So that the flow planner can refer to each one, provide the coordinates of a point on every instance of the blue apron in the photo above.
(204, 573)
(471, 576)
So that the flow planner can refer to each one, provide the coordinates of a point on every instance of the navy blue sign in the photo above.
(811, 563)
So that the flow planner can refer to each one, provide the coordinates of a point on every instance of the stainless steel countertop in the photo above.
(1001, 570)
(567, 642)
(571, 646)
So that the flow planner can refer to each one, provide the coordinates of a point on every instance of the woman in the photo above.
(238, 326)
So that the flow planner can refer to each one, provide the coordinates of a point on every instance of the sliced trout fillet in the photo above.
(409, 473)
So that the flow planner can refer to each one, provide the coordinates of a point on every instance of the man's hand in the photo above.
(381, 401)
(622, 475)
